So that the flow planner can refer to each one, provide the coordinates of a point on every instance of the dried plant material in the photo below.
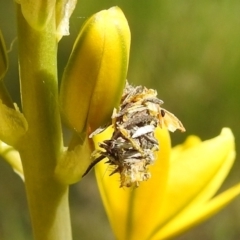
(64, 10)
(133, 144)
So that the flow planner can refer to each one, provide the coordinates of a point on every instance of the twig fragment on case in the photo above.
(132, 146)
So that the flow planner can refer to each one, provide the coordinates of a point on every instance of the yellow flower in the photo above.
(180, 193)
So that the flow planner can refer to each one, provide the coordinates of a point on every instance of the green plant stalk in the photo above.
(42, 145)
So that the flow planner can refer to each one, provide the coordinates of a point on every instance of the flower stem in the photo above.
(42, 145)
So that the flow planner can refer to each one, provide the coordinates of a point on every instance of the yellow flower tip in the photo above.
(95, 75)
(227, 133)
(225, 143)
(191, 141)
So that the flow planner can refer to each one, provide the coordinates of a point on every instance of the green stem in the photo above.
(41, 147)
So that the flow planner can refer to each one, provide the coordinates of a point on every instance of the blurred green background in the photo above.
(190, 52)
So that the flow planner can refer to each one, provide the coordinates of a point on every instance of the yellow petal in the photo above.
(194, 178)
(190, 142)
(198, 214)
(130, 210)
(115, 199)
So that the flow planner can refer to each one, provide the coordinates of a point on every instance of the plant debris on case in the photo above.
(133, 144)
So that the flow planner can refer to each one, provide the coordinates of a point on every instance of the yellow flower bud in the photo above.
(95, 75)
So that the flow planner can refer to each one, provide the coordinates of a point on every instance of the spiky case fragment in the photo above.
(133, 144)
